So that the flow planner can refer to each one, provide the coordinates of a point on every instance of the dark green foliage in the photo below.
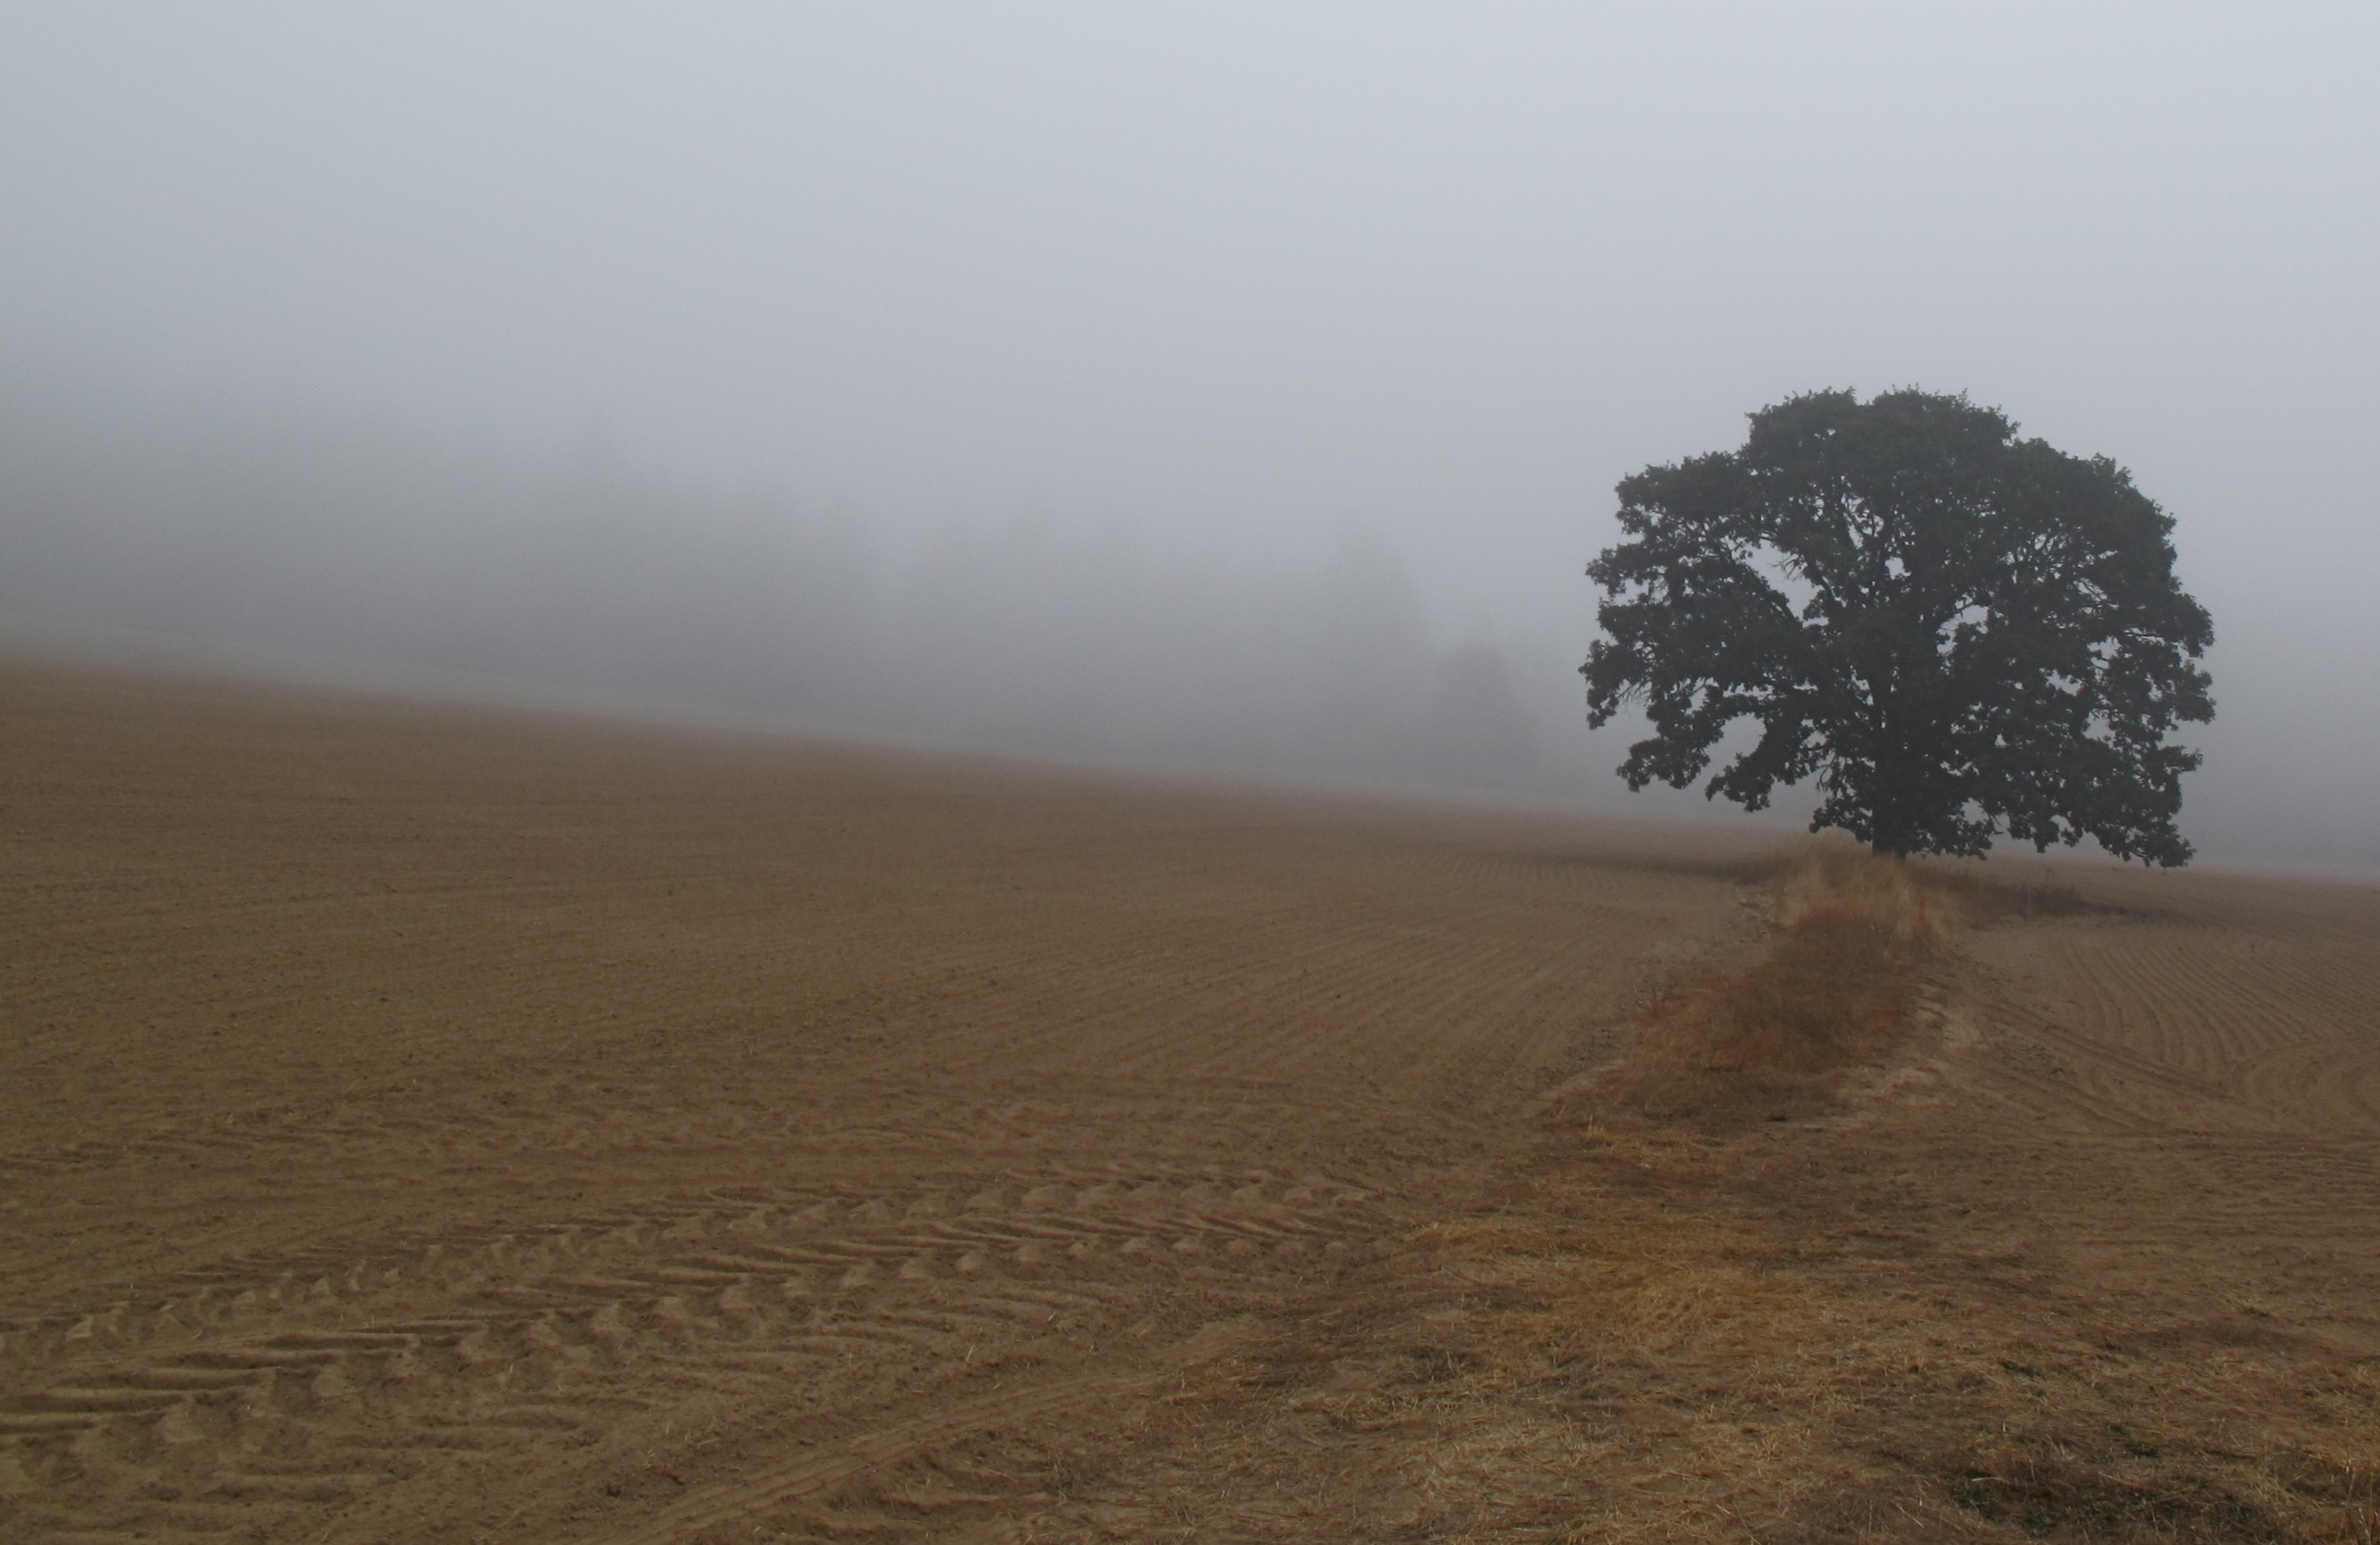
(1957, 631)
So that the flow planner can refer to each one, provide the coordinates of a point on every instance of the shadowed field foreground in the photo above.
(426, 1123)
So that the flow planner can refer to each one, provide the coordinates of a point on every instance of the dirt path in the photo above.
(425, 1124)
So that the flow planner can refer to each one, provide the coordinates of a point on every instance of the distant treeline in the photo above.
(593, 574)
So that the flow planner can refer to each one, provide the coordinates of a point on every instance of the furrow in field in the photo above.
(1154, 1004)
(2166, 1022)
(769, 1488)
(541, 1357)
(1046, 1206)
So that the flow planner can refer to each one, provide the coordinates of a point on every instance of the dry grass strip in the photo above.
(1687, 1322)
(1851, 939)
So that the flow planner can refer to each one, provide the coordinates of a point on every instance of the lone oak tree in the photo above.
(1959, 631)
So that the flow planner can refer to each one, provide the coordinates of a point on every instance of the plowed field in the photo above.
(419, 1123)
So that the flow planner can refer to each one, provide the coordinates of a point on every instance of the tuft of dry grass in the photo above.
(1987, 898)
(1835, 887)
(1852, 937)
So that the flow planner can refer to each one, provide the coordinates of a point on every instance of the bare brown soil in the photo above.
(426, 1123)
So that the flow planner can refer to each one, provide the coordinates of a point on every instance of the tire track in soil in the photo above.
(521, 1343)
(773, 1486)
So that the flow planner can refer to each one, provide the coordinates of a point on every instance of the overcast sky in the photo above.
(1249, 279)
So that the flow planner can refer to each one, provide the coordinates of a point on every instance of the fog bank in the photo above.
(1234, 386)
(1035, 636)
(1031, 636)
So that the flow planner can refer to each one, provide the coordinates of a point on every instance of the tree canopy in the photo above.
(1959, 632)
